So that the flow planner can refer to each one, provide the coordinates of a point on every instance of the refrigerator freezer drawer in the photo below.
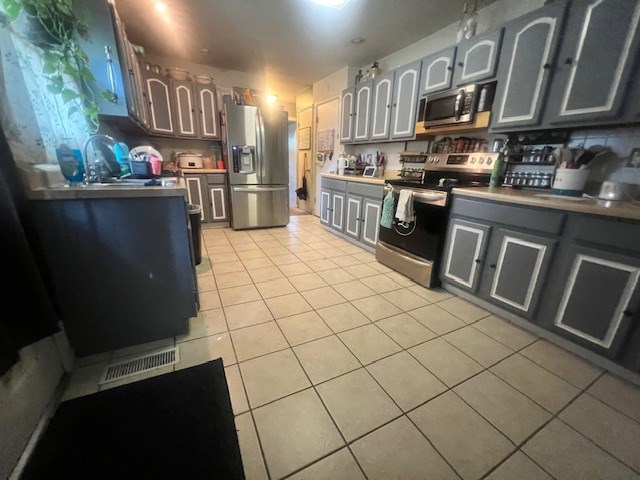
(257, 206)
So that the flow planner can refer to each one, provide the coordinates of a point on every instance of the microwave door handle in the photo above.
(458, 105)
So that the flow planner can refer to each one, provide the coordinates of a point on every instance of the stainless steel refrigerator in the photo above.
(258, 155)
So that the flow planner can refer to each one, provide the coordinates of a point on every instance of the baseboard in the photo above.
(349, 239)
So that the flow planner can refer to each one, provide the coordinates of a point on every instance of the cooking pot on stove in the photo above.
(189, 160)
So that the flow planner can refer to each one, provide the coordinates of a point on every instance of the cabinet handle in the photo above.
(627, 313)
(546, 66)
(568, 61)
(450, 68)
(388, 106)
(477, 260)
(493, 265)
(395, 104)
(460, 64)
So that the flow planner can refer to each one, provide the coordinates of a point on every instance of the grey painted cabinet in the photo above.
(437, 71)
(352, 225)
(517, 268)
(185, 108)
(208, 111)
(405, 101)
(347, 114)
(362, 217)
(381, 106)
(362, 112)
(477, 58)
(160, 104)
(325, 206)
(596, 60)
(218, 197)
(528, 53)
(464, 253)
(332, 203)
(197, 194)
(337, 210)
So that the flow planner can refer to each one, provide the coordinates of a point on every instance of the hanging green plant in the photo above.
(59, 28)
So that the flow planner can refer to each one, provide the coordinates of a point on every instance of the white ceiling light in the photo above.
(271, 99)
(161, 7)
(331, 3)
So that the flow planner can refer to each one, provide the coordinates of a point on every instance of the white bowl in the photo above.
(206, 79)
(177, 73)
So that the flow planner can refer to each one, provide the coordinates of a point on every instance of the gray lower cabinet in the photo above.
(337, 210)
(477, 58)
(362, 217)
(465, 248)
(218, 197)
(595, 64)
(332, 203)
(405, 101)
(197, 194)
(437, 71)
(529, 51)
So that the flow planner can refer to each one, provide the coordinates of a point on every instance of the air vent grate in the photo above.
(138, 365)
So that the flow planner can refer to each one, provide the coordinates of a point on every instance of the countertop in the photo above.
(65, 192)
(355, 178)
(187, 171)
(593, 206)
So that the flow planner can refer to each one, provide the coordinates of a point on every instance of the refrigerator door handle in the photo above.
(257, 189)
(259, 145)
(262, 145)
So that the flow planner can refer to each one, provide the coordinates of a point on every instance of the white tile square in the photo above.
(247, 314)
(287, 305)
(307, 281)
(325, 358)
(236, 295)
(483, 349)
(376, 307)
(275, 288)
(436, 319)
(323, 297)
(202, 350)
(463, 309)
(405, 299)
(368, 343)
(405, 330)
(258, 340)
(303, 327)
(337, 466)
(445, 361)
(342, 317)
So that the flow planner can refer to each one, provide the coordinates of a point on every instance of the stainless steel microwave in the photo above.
(452, 107)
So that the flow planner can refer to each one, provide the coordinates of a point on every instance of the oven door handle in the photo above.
(458, 105)
(423, 197)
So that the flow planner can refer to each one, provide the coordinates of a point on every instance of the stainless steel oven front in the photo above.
(414, 249)
(452, 107)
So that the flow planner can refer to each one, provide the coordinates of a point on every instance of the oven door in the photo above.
(423, 237)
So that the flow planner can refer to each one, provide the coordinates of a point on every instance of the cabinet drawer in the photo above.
(328, 183)
(611, 232)
(545, 221)
(216, 178)
(366, 190)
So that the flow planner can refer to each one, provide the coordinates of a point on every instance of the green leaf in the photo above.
(72, 111)
(107, 95)
(68, 95)
(12, 8)
(54, 88)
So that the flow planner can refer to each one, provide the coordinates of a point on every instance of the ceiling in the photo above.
(292, 43)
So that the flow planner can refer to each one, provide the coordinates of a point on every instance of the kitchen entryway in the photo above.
(339, 367)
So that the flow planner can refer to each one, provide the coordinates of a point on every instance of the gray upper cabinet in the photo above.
(362, 109)
(464, 253)
(185, 111)
(381, 106)
(207, 101)
(517, 268)
(528, 53)
(347, 115)
(160, 104)
(405, 101)
(437, 71)
(477, 58)
(596, 60)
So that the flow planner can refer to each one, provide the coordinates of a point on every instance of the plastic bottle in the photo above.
(483, 99)
(122, 155)
(496, 172)
(375, 70)
(70, 161)
(461, 25)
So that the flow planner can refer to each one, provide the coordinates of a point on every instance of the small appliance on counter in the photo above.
(189, 160)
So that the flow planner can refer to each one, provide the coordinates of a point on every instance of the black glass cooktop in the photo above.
(443, 181)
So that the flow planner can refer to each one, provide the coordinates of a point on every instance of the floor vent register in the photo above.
(137, 365)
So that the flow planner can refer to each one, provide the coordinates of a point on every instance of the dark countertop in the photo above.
(174, 187)
(534, 198)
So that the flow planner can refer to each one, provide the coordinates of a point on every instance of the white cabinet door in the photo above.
(405, 101)
(464, 253)
(370, 221)
(363, 115)
(325, 206)
(381, 106)
(337, 210)
(352, 219)
(347, 115)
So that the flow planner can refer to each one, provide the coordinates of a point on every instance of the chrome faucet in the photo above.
(92, 169)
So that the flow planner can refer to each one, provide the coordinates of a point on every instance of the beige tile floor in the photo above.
(339, 368)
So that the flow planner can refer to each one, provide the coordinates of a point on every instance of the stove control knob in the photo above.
(489, 160)
(432, 159)
(473, 159)
(481, 160)
(437, 160)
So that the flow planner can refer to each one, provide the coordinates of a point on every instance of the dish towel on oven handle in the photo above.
(386, 219)
(404, 210)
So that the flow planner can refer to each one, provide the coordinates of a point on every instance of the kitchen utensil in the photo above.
(156, 69)
(569, 181)
(177, 73)
(343, 162)
(204, 79)
(612, 191)
(189, 160)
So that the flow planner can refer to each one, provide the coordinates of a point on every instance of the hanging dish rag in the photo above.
(386, 219)
(302, 191)
(404, 210)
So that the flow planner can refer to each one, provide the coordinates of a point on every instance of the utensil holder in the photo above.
(569, 182)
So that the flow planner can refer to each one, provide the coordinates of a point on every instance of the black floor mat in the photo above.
(174, 426)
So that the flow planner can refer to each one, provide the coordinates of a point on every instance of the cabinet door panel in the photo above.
(363, 115)
(528, 53)
(381, 107)
(599, 299)
(519, 264)
(347, 115)
(405, 100)
(325, 206)
(478, 58)
(160, 104)
(185, 108)
(337, 210)
(371, 213)
(593, 73)
(218, 197)
(208, 111)
(466, 245)
(196, 194)
(352, 219)
(437, 71)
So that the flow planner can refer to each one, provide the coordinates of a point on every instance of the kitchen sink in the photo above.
(121, 182)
